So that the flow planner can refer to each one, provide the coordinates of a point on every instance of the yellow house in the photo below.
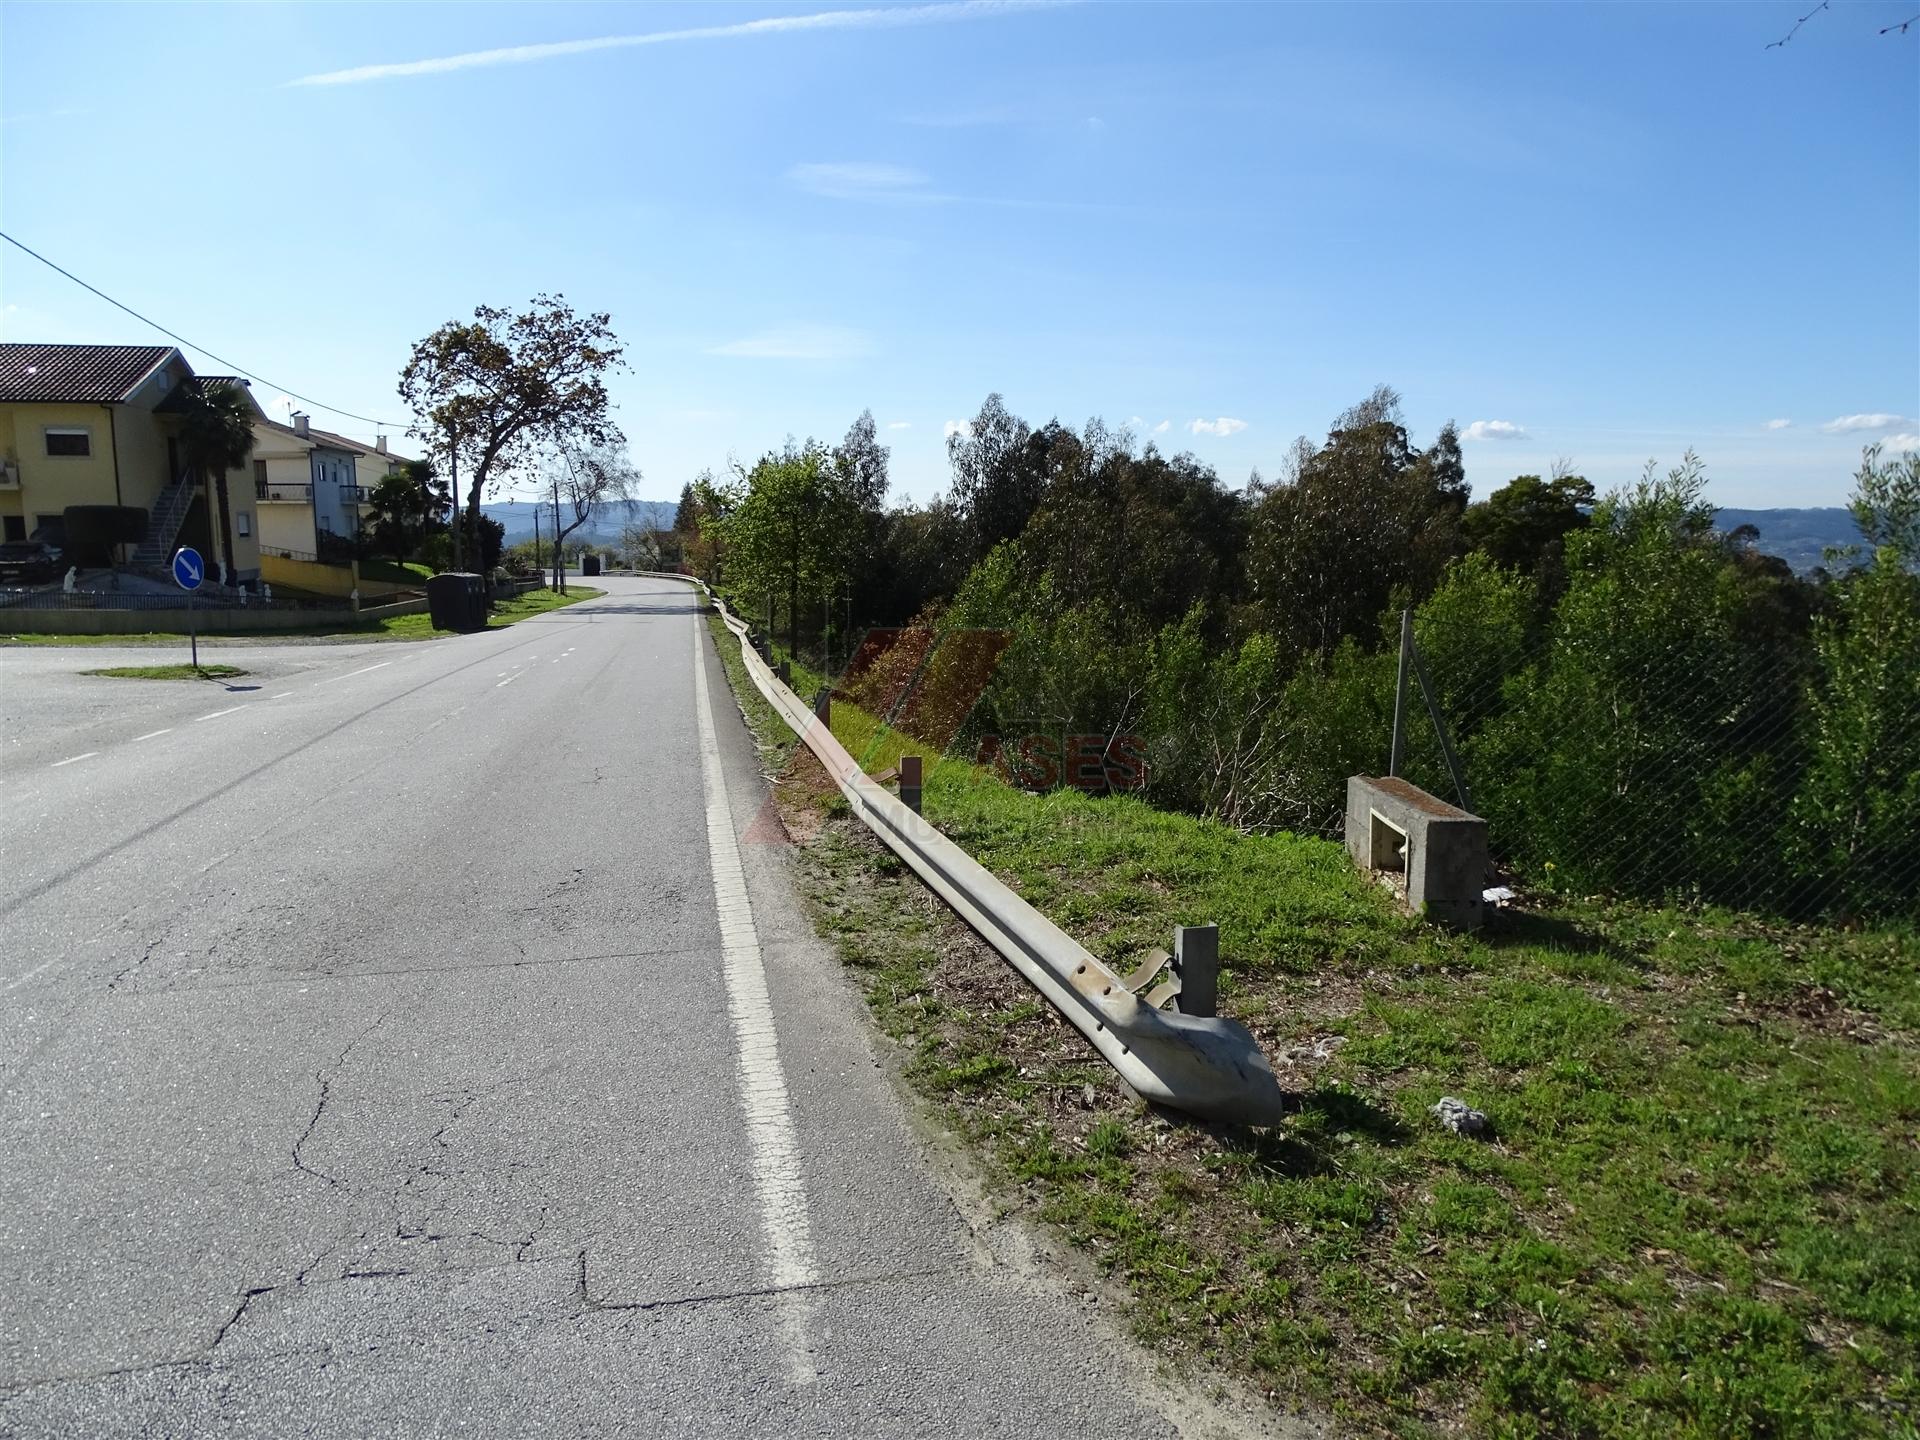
(313, 486)
(91, 425)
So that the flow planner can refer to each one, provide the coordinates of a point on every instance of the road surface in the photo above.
(421, 1043)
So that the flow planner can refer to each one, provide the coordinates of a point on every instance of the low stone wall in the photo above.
(246, 620)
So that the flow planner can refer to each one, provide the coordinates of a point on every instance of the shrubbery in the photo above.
(1641, 704)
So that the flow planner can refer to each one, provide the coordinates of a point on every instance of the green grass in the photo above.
(412, 573)
(394, 627)
(505, 613)
(149, 637)
(1698, 1215)
(169, 672)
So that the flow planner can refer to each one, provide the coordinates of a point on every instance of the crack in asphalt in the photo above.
(844, 1282)
(325, 1079)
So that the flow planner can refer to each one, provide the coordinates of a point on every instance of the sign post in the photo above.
(188, 571)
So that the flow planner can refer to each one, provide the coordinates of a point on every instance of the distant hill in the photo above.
(603, 527)
(1799, 537)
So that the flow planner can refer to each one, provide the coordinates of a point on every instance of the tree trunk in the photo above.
(226, 523)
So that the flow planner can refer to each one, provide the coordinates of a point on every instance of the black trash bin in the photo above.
(457, 601)
(589, 564)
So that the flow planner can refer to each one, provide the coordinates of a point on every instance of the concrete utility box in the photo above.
(457, 600)
(1439, 849)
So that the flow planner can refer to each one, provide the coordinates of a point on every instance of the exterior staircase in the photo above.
(155, 552)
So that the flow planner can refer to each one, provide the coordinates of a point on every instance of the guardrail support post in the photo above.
(823, 705)
(1196, 960)
(785, 671)
(910, 782)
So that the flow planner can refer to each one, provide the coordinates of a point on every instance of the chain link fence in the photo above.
(1779, 781)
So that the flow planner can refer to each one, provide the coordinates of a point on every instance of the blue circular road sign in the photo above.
(188, 568)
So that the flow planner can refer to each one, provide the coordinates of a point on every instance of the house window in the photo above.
(243, 522)
(260, 472)
(69, 440)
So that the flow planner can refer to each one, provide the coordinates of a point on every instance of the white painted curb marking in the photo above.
(777, 1181)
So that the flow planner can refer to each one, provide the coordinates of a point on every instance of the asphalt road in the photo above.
(412, 1045)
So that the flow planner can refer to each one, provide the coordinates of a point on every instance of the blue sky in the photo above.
(1606, 232)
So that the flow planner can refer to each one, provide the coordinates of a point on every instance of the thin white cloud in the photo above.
(887, 18)
(1847, 424)
(1162, 427)
(1896, 444)
(1493, 430)
(28, 116)
(1779, 424)
(957, 427)
(880, 183)
(1134, 422)
(900, 424)
(805, 342)
(1225, 425)
(862, 180)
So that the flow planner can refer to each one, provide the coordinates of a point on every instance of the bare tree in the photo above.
(1899, 27)
(583, 478)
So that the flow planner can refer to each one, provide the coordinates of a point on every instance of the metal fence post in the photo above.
(1399, 746)
(1196, 960)
(823, 705)
(910, 782)
(785, 671)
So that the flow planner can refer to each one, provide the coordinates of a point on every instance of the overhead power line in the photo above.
(201, 349)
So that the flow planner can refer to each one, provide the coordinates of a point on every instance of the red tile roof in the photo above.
(76, 374)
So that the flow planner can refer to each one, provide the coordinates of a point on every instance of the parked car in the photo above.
(27, 562)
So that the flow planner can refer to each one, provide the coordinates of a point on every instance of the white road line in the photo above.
(150, 735)
(778, 1184)
(218, 713)
(73, 759)
(281, 696)
(509, 680)
(351, 673)
(16, 984)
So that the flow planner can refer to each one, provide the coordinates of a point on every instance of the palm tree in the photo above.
(216, 435)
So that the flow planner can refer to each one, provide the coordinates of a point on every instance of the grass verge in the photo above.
(396, 627)
(168, 672)
(1698, 1215)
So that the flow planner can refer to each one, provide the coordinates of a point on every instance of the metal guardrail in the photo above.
(1207, 1066)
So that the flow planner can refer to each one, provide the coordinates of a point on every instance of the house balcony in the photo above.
(272, 492)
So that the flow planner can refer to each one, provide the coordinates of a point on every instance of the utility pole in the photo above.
(559, 556)
(537, 561)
